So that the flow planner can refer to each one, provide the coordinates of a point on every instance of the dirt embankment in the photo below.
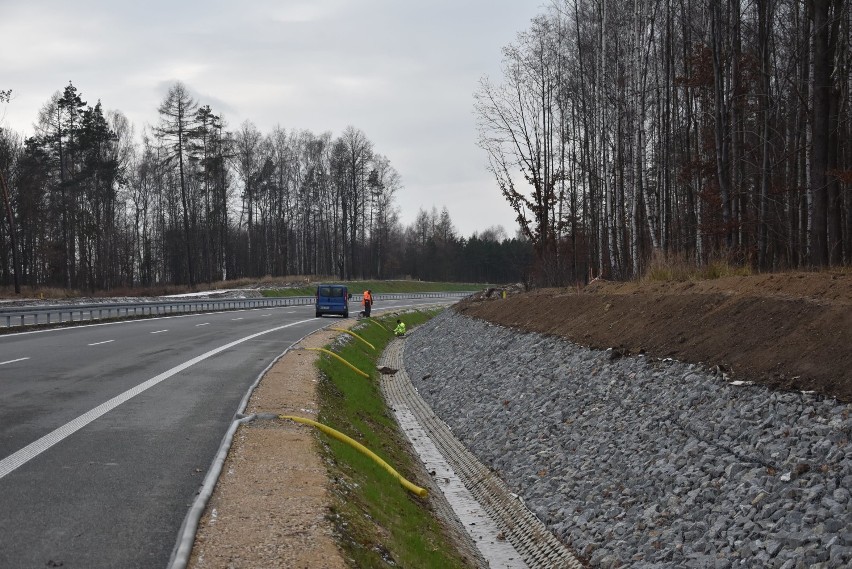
(788, 330)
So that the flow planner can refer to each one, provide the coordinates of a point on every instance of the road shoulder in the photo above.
(270, 505)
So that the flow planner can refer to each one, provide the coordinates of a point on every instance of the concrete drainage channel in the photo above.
(505, 532)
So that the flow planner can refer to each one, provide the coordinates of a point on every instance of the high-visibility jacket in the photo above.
(368, 298)
(400, 329)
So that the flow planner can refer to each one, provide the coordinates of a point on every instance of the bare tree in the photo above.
(518, 131)
(358, 152)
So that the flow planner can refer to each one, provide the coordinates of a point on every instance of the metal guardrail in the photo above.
(406, 295)
(69, 313)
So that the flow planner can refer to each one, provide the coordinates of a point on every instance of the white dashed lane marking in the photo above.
(104, 342)
(16, 459)
(13, 361)
(203, 324)
(159, 331)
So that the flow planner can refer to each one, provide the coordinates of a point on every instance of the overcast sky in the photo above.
(403, 72)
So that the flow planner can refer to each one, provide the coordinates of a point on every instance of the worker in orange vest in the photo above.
(367, 302)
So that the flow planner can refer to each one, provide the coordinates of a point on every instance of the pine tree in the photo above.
(178, 123)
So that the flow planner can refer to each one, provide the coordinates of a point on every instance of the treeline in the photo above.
(691, 128)
(88, 206)
(435, 252)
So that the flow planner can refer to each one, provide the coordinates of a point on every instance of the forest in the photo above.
(698, 130)
(89, 206)
(621, 133)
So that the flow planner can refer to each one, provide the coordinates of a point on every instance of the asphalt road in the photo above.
(107, 430)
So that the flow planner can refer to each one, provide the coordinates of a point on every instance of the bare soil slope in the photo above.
(788, 330)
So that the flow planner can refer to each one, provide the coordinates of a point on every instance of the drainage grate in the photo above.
(538, 547)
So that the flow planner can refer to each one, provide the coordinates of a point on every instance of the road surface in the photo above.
(107, 430)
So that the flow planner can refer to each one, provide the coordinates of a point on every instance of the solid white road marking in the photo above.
(32, 450)
(104, 342)
(13, 361)
(159, 331)
(83, 327)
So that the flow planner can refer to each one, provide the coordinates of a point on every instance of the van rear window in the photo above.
(331, 291)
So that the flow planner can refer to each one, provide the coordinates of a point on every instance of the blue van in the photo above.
(332, 299)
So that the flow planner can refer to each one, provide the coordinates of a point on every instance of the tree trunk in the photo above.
(12, 233)
(185, 204)
(720, 116)
(764, 29)
(820, 115)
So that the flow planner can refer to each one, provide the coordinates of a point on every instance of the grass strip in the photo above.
(378, 521)
(334, 433)
(378, 287)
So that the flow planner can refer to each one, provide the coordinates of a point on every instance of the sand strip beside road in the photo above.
(270, 504)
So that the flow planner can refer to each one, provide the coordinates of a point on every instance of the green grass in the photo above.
(378, 287)
(307, 288)
(377, 520)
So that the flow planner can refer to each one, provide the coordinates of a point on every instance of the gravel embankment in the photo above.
(644, 463)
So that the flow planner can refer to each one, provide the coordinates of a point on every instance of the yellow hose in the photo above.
(374, 321)
(353, 334)
(364, 450)
(329, 352)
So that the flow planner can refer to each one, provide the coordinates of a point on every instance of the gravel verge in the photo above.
(640, 462)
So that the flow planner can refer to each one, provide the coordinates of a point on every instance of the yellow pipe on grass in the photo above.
(374, 321)
(352, 367)
(353, 334)
(422, 492)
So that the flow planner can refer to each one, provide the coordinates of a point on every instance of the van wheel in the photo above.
(346, 314)
(319, 315)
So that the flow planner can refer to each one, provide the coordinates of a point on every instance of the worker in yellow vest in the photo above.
(400, 328)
